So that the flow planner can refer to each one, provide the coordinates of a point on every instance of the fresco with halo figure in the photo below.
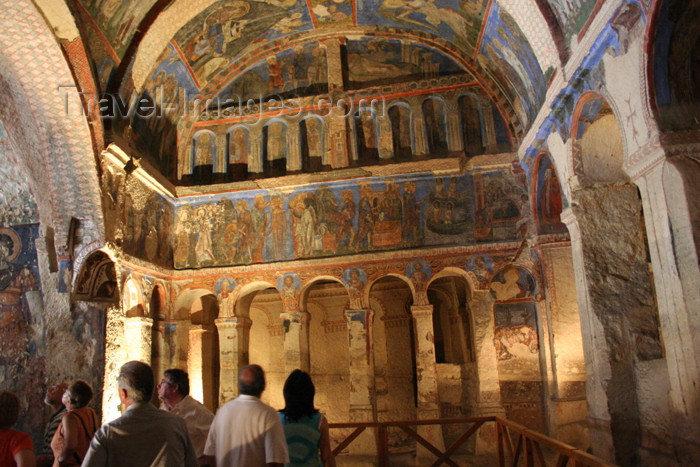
(212, 39)
(373, 61)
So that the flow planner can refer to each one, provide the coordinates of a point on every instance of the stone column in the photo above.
(138, 337)
(619, 320)
(181, 337)
(337, 115)
(296, 341)
(385, 144)
(454, 129)
(426, 371)
(293, 146)
(234, 335)
(220, 166)
(361, 376)
(200, 364)
(421, 148)
(489, 125)
(255, 156)
(488, 397)
(669, 194)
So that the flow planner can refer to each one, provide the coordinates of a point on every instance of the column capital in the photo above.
(237, 322)
(421, 310)
(295, 316)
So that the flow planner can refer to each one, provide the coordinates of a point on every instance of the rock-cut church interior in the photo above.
(438, 208)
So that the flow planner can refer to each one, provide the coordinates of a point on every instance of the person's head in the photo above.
(54, 394)
(251, 380)
(299, 395)
(78, 394)
(174, 386)
(9, 409)
(135, 383)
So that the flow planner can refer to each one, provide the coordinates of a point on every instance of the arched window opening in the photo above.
(311, 137)
(435, 126)
(238, 140)
(400, 118)
(366, 137)
(471, 123)
(274, 150)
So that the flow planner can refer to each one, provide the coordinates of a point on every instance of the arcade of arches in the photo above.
(438, 208)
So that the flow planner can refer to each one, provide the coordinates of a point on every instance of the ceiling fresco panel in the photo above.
(212, 39)
(572, 15)
(118, 19)
(505, 49)
(378, 61)
(456, 21)
(332, 13)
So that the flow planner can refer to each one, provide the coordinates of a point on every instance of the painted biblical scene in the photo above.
(449, 210)
(18, 205)
(505, 48)
(225, 30)
(22, 329)
(118, 19)
(550, 200)
(170, 87)
(502, 207)
(373, 62)
(456, 21)
(321, 220)
(332, 13)
(300, 71)
(572, 15)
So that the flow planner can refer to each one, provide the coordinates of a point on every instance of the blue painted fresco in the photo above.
(374, 214)
(378, 61)
(505, 47)
(588, 77)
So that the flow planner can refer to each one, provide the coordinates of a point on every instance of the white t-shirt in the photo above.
(246, 432)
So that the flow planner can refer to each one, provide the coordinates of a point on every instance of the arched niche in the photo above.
(325, 301)
(401, 132)
(237, 153)
(451, 321)
(274, 148)
(260, 302)
(435, 126)
(196, 343)
(366, 136)
(516, 339)
(471, 123)
(674, 41)
(549, 198)
(97, 280)
(132, 299)
(394, 354)
(598, 149)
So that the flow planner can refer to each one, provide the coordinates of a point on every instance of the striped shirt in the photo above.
(51, 427)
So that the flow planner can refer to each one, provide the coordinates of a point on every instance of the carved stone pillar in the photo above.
(293, 146)
(454, 129)
(361, 376)
(220, 166)
(337, 114)
(669, 193)
(296, 341)
(426, 371)
(421, 148)
(138, 337)
(234, 336)
(255, 157)
(490, 144)
(386, 144)
(200, 364)
(619, 319)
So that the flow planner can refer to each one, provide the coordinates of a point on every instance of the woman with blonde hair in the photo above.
(72, 438)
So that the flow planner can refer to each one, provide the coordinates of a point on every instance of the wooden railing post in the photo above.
(382, 445)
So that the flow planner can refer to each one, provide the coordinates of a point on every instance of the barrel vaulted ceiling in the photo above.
(208, 49)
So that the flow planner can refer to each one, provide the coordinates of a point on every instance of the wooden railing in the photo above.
(515, 444)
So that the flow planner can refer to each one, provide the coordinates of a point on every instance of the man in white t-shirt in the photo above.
(174, 391)
(245, 431)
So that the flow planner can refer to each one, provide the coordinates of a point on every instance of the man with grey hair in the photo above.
(245, 431)
(143, 435)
